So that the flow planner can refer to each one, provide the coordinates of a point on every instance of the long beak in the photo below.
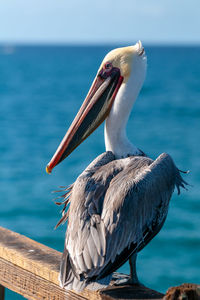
(92, 113)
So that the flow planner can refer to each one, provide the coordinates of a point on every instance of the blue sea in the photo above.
(42, 88)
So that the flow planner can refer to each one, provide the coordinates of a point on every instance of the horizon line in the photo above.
(93, 44)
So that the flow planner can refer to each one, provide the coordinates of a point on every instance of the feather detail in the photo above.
(87, 258)
(62, 220)
(96, 239)
(65, 202)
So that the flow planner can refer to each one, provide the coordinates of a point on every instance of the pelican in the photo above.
(120, 201)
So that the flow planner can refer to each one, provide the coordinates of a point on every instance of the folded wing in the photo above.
(117, 207)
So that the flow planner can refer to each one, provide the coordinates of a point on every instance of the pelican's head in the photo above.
(117, 68)
(128, 60)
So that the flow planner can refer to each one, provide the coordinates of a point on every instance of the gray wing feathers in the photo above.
(138, 202)
(85, 237)
(113, 202)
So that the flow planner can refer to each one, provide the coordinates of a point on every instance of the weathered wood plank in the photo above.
(30, 255)
(31, 269)
(29, 285)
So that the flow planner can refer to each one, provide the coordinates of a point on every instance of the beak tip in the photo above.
(48, 170)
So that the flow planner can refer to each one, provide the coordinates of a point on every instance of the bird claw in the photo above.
(129, 281)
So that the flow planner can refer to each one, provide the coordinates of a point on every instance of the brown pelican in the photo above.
(120, 202)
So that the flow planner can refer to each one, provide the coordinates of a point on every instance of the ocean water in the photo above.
(41, 89)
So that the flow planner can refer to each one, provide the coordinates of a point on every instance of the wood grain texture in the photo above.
(29, 285)
(29, 255)
(31, 269)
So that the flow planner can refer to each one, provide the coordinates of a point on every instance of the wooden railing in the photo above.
(31, 269)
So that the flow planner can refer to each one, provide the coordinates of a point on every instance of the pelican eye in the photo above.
(108, 66)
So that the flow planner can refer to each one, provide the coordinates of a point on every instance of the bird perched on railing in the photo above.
(120, 202)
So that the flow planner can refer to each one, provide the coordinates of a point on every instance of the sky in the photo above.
(102, 21)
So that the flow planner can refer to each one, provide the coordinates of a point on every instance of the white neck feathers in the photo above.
(115, 127)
